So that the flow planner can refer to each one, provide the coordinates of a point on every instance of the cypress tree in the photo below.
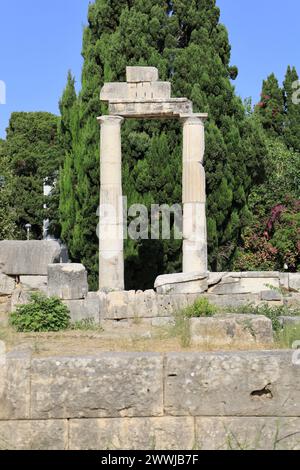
(271, 109)
(185, 41)
(292, 110)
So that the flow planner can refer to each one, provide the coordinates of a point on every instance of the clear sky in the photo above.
(40, 40)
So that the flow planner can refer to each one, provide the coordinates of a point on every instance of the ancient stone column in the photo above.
(111, 255)
(194, 194)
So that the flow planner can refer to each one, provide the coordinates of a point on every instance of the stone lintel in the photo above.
(148, 109)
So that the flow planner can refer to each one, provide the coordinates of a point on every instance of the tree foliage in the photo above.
(33, 154)
(189, 46)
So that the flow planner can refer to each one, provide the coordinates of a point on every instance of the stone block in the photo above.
(244, 283)
(15, 385)
(7, 284)
(290, 321)
(294, 281)
(250, 383)
(151, 109)
(161, 322)
(19, 297)
(251, 433)
(141, 74)
(33, 283)
(67, 281)
(271, 296)
(34, 435)
(165, 433)
(230, 329)
(114, 91)
(181, 283)
(84, 309)
(28, 257)
(284, 281)
(236, 300)
(104, 385)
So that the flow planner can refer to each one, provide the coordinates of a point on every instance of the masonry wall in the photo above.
(150, 401)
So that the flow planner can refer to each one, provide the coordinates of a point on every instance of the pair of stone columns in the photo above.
(111, 255)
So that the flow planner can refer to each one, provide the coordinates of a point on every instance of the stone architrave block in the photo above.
(103, 385)
(228, 329)
(67, 281)
(182, 283)
(7, 284)
(247, 383)
(141, 74)
(28, 257)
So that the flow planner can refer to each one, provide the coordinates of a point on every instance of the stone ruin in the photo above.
(26, 266)
(143, 96)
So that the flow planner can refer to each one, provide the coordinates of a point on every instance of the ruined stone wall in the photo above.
(150, 401)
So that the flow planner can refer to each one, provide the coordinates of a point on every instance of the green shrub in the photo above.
(41, 314)
(201, 308)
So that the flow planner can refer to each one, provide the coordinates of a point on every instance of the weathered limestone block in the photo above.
(34, 435)
(141, 74)
(290, 321)
(165, 433)
(246, 283)
(33, 283)
(251, 433)
(28, 257)
(67, 281)
(292, 300)
(7, 284)
(151, 109)
(284, 281)
(236, 300)
(118, 305)
(294, 281)
(222, 330)
(271, 296)
(15, 385)
(84, 309)
(250, 383)
(105, 385)
(136, 91)
(19, 297)
(181, 283)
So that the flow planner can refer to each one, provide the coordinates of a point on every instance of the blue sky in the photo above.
(40, 40)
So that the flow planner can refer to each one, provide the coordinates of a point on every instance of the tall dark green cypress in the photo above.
(185, 41)
(271, 109)
(292, 108)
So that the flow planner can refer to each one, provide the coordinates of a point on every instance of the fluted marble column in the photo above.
(194, 194)
(111, 254)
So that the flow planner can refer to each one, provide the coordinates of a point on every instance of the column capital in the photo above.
(111, 120)
(193, 118)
